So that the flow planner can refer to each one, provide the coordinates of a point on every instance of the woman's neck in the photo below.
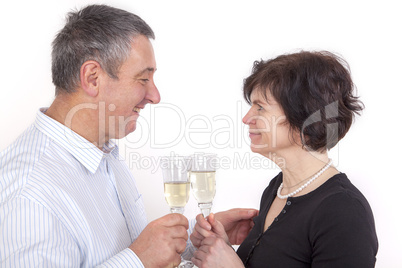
(301, 166)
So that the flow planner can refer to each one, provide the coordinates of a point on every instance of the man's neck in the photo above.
(81, 117)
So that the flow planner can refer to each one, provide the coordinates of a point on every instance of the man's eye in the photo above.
(144, 80)
(259, 108)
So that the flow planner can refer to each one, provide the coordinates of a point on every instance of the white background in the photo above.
(204, 49)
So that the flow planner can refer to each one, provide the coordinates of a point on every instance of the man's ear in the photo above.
(89, 76)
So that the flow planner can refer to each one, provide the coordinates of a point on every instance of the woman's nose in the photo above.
(248, 118)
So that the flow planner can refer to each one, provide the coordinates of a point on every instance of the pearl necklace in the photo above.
(304, 185)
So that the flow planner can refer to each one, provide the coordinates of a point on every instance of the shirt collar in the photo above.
(84, 151)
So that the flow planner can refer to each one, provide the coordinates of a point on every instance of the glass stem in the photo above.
(205, 208)
(179, 210)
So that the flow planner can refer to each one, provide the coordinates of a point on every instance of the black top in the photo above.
(332, 226)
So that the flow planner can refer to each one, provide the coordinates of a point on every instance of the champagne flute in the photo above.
(202, 177)
(177, 187)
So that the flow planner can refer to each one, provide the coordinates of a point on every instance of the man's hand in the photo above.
(162, 241)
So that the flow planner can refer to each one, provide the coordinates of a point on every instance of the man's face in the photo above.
(126, 96)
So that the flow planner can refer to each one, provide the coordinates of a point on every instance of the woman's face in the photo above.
(268, 127)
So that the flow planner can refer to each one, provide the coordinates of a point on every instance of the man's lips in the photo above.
(137, 109)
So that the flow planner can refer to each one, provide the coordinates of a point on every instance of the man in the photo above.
(67, 199)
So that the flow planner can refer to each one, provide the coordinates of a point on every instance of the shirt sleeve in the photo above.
(343, 233)
(190, 249)
(34, 237)
(126, 258)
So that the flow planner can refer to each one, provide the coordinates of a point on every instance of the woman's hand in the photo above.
(237, 223)
(209, 227)
(215, 252)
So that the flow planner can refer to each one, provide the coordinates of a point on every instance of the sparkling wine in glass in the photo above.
(177, 187)
(176, 195)
(202, 176)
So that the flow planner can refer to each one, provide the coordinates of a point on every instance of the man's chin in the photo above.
(123, 134)
(126, 133)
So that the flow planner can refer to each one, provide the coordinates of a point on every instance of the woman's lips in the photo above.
(251, 134)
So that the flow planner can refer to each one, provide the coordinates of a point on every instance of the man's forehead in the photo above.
(147, 70)
(141, 56)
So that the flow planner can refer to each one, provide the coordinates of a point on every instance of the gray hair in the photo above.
(97, 32)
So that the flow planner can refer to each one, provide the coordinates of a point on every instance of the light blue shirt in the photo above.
(66, 203)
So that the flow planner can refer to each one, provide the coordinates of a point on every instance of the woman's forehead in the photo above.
(262, 95)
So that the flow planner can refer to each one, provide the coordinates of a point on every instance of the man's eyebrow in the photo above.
(149, 69)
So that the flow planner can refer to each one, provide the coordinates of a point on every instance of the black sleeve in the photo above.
(343, 233)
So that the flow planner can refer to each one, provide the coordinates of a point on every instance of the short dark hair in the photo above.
(315, 91)
(97, 32)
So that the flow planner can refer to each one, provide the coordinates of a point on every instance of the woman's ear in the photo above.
(89, 77)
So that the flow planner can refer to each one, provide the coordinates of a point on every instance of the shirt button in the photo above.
(288, 203)
(284, 211)
(276, 219)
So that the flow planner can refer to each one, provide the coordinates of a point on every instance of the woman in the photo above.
(311, 215)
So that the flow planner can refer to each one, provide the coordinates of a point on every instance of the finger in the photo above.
(207, 242)
(213, 244)
(202, 232)
(177, 261)
(244, 213)
(196, 234)
(211, 219)
(242, 233)
(173, 219)
(178, 232)
(195, 241)
(196, 262)
(179, 245)
(196, 238)
(217, 226)
(202, 222)
(251, 224)
(199, 257)
(201, 252)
